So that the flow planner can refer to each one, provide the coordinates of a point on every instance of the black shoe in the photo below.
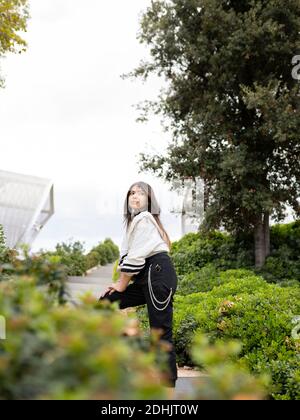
(171, 383)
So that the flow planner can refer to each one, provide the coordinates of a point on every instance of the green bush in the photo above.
(57, 352)
(77, 263)
(202, 280)
(286, 234)
(48, 271)
(114, 249)
(92, 259)
(3, 247)
(184, 334)
(71, 256)
(197, 250)
(104, 253)
(281, 269)
(116, 274)
(225, 381)
(284, 262)
(247, 308)
(6, 254)
(285, 378)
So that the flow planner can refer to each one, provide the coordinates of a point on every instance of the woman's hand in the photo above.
(118, 287)
(110, 289)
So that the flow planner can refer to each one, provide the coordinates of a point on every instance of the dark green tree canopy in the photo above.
(230, 102)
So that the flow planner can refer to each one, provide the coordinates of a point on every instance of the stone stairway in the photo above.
(96, 281)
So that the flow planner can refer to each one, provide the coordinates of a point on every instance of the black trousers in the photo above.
(154, 286)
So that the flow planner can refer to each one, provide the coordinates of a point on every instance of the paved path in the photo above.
(186, 384)
(96, 282)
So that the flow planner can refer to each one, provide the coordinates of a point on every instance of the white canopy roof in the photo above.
(26, 204)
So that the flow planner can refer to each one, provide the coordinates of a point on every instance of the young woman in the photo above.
(147, 274)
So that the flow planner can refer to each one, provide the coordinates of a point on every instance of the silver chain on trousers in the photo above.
(152, 296)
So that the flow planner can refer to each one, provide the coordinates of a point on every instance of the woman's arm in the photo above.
(122, 283)
(119, 286)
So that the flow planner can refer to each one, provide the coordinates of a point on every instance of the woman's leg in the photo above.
(161, 283)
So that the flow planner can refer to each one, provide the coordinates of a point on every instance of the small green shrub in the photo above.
(3, 248)
(246, 308)
(6, 254)
(102, 254)
(92, 259)
(227, 378)
(71, 256)
(116, 274)
(48, 271)
(284, 262)
(114, 249)
(202, 280)
(57, 352)
(197, 250)
(282, 266)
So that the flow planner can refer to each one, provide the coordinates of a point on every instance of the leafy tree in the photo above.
(71, 256)
(3, 248)
(231, 104)
(13, 18)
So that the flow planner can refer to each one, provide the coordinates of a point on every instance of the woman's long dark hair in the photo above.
(152, 207)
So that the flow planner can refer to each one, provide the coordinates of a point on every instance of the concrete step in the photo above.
(101, 271)
(84, 287)
(96, 281)
(88, 280)
(73, 296)
(186, 387)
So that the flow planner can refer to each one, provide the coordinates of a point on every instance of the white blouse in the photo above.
(143, 239)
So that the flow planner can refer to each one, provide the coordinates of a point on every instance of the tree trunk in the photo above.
(205, 204)
(259, 241)
(267, 233)
(183, 221)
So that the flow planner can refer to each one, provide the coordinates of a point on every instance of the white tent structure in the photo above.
(26, 204)
(190, 203)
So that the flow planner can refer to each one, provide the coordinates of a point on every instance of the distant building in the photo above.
(26, 204)
(189, 203)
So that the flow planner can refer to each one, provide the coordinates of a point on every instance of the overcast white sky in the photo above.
(67, 115)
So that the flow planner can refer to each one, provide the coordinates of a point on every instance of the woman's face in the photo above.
(137, 198)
